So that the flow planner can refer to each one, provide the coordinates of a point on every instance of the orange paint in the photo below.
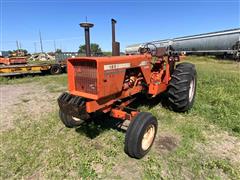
(101, 80)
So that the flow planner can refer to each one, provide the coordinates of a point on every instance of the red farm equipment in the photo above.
(13, 60)
(110, 84)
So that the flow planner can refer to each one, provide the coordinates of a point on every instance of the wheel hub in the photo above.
(76, 119)
(148, 137)
(191, 90)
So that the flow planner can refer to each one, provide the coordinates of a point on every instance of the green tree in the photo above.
(95, 49)
(58, 51)
(107, 53)
(9, 52)
(20, 52)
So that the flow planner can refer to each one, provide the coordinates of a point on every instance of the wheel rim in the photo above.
(55, 70)
(75, 118)
(191, 90)
(148, 137)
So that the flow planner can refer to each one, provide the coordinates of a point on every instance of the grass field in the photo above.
(201, 144)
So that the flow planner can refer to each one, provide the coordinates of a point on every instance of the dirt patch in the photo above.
(98, 146)
(36, 175)
(222, 145)
(97, 167)
(24, 100)
(166, 143)
(127, 169)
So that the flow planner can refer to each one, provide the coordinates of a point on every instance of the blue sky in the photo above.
(138, 21)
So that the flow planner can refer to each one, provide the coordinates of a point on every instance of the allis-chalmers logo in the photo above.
(122, 65)
(116, 66)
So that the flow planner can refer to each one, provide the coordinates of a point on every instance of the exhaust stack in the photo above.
(87, 27)
(115, 45)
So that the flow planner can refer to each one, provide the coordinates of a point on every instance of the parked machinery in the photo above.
(220, 43)
(12, 64)
(110, 84)
(7, 58)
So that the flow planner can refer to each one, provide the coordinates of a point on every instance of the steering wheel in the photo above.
(146, 49)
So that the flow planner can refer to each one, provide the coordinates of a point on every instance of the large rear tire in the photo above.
(182, 87)
(140, 135)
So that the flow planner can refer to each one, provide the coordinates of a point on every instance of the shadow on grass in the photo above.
(103, 122)
(98, 125)
(142, 100)
(17, 76)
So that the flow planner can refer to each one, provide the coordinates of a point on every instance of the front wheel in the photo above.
(140, 135)
(182, 87)
(69, 121)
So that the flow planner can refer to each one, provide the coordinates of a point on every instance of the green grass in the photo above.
(41, 79)
(218, 97)
(44, 148)
(42, 62)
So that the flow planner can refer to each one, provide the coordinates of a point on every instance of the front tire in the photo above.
(140, 135)
(69, 121)
(182, 87)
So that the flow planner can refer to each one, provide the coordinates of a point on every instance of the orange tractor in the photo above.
(110, 84)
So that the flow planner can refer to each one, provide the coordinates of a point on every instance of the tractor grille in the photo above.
(86, 76)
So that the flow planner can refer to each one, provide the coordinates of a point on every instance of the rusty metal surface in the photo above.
(86, 76)
(115, 49)
(13, 60)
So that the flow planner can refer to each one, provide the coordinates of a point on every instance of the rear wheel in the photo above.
(55, 69)
(182, 87)
(69, 121)
(140, 135)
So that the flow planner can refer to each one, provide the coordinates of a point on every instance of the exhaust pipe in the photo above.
(87, 27)
(115, 45)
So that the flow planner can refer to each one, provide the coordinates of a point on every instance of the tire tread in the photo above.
(178, 89)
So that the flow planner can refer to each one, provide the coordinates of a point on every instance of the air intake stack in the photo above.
(87, 27)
